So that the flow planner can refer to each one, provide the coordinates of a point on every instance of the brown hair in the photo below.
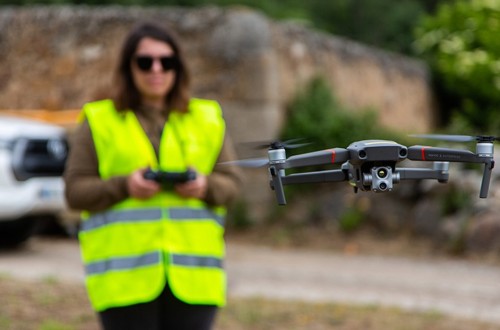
(127, 95)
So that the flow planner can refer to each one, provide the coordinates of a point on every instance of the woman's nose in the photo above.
(157, 67)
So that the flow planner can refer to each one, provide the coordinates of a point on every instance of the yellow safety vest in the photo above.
(132, 249)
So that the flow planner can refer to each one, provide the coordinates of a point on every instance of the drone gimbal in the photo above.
(370, 165)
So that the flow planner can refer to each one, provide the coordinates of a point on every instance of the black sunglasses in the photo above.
(145, 63)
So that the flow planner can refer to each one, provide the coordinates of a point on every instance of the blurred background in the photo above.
(332, 72)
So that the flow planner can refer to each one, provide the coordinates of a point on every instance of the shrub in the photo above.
(316, 115)
(462, 46)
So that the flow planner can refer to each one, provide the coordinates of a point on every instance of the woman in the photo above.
(152, 252)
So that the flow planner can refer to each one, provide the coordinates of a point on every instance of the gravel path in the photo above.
(452, 287)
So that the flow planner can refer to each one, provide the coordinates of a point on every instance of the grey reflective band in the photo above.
(181, 213)
(123, 216)
(196, 261)
(124, 263)
(110, 217)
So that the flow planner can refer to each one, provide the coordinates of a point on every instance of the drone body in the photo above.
(371, 165)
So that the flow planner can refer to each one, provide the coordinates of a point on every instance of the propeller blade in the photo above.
(288, 144)
(487, 138)
(296, 145)
(458, 138)
(444, 137)
(292, 143)
(253, 162)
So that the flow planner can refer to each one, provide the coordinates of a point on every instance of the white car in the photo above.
(32, 159)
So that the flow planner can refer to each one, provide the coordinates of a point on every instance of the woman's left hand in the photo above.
(196, 188)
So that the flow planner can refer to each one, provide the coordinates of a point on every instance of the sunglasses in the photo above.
(145, 63)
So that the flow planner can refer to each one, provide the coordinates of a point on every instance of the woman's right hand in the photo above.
(141, 188)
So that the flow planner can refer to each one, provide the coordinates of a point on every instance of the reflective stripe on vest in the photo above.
(98, 220)
(127, 263)
(195, 261)
(105, 218)
(178, 213)
(114, 264)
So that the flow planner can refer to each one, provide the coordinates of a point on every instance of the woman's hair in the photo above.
(127, 96)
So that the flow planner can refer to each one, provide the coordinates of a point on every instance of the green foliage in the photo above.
(54, 325)
(315, 114)
(383, 23)
(5, 321)
(239, 215)
(455, 200)
(462, 46)
(351, 219)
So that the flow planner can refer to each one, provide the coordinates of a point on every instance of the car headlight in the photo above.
(57, 148)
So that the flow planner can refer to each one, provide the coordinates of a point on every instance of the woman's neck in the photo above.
(156, 105)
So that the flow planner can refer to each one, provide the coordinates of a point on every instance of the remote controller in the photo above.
(170, 178)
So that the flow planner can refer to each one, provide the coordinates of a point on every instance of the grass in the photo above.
(53, 305)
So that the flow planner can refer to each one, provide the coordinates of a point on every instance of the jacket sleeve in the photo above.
(85, 190)
(225, 181)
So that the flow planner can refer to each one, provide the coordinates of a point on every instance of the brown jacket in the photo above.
(85, 190)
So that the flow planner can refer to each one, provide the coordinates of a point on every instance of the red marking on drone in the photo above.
(423, 153)
(333, 155)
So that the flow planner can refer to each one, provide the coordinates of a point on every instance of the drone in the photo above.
(371, 165)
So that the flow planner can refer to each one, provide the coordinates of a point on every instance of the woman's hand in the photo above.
(196, 188)
(141, 188)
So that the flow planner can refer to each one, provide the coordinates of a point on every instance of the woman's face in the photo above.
(153, 70)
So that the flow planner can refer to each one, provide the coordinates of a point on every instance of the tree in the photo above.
(383, 23)
(461, 44)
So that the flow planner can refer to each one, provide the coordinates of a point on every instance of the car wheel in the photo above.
(15, 232)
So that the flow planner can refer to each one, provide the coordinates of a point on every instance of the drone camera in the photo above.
(381, 178)
(382, 173)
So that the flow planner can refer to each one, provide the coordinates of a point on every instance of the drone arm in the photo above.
(315, 177)
(323, 157)
(422, 173)
(424, 153)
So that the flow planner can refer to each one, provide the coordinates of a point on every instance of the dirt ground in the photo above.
(363, 269)
(52, 305)
(281, 279)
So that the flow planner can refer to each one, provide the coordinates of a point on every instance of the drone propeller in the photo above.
(457, 138)
(288, 144)
(251, 162)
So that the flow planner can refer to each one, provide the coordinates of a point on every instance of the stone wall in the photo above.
(61, 57)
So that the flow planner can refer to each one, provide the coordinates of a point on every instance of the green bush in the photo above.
(316, 115)
(462, 46)
(351, 220)
(238, 215)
